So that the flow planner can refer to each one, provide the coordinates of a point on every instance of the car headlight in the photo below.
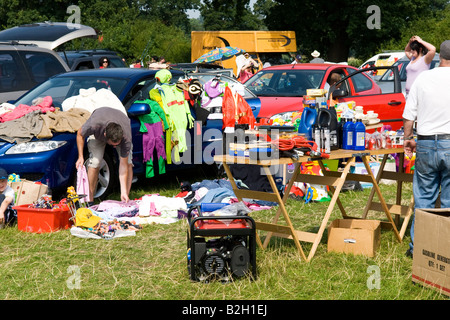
(35, 146)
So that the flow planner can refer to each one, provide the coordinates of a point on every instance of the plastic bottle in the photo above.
(349, 128)
(317, 137)
(49, 190)
(334, 130)
(326, 139)
(388, 144)
(359, 136)
(340, 133)
(345, 133)
(327, 117)
(308, 119)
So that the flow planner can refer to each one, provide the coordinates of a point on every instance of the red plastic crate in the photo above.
(42, 220)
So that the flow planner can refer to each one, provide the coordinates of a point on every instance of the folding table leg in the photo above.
(333, 201)
(235, 187)
(282, 209)
(332, 191)
(380, 196)
(372, 192)
(284, 200)
(407, 218)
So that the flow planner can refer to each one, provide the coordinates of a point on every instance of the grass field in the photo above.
(152, 265)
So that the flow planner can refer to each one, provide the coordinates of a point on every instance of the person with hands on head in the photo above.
(245, 65)
(427, 104)
(106, 126)
(420, 53)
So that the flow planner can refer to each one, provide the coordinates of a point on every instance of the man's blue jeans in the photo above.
(431, 175)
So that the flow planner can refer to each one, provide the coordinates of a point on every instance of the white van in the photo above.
(386, 58)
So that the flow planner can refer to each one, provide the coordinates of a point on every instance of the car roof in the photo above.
(47, 35)
(115, 72)
(193, 65)
(18, 46)
(307, 66)
(436, 57)
(87, 53)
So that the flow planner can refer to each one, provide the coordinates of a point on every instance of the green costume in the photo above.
(176, 108)
(156, 115)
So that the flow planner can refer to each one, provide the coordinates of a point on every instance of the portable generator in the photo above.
(220, 247)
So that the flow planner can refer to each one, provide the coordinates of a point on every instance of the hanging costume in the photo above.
(193, 90)
(177, 110)
(152, 127)
(235, 111)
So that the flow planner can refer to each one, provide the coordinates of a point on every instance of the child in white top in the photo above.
(7, 214)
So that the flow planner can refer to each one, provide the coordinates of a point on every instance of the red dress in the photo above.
(236, 110)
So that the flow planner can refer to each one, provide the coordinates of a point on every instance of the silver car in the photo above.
(386, 82)
(27, 57)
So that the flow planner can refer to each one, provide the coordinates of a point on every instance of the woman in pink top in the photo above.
(421, 53)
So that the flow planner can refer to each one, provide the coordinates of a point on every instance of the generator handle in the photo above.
(248, 218)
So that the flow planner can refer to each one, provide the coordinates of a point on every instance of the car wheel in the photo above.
(107, 177)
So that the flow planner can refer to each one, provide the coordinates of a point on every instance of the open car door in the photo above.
(47, 35)
(388, 105)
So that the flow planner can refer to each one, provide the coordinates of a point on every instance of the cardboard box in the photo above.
(354, 236)
(431, 257)
(28, 192)
(42, 220)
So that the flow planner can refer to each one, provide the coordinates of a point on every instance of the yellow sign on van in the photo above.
(253, 42)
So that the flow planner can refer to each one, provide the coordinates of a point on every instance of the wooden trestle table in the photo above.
(335, 180)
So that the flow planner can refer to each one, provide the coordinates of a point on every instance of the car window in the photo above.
(13, 76)
(361, 83)
(41, 66)
(389, 74)
(61, 88)
(83, 65)
(401, 65)
(139, 92)
(116, 62)
(284, 83)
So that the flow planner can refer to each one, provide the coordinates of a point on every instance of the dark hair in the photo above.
(417, 46)
(114, 132)
(103, 58)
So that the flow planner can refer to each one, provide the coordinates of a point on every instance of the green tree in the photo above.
(229, 15)
(17, 12)
(125, 28)
(434, 30)
(169, 12)
(336, 28)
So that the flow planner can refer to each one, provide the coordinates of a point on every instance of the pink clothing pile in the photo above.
(46, 105)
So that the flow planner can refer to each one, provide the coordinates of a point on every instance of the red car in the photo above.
(281, 89)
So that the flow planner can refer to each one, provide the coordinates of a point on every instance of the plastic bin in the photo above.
(42, 220)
